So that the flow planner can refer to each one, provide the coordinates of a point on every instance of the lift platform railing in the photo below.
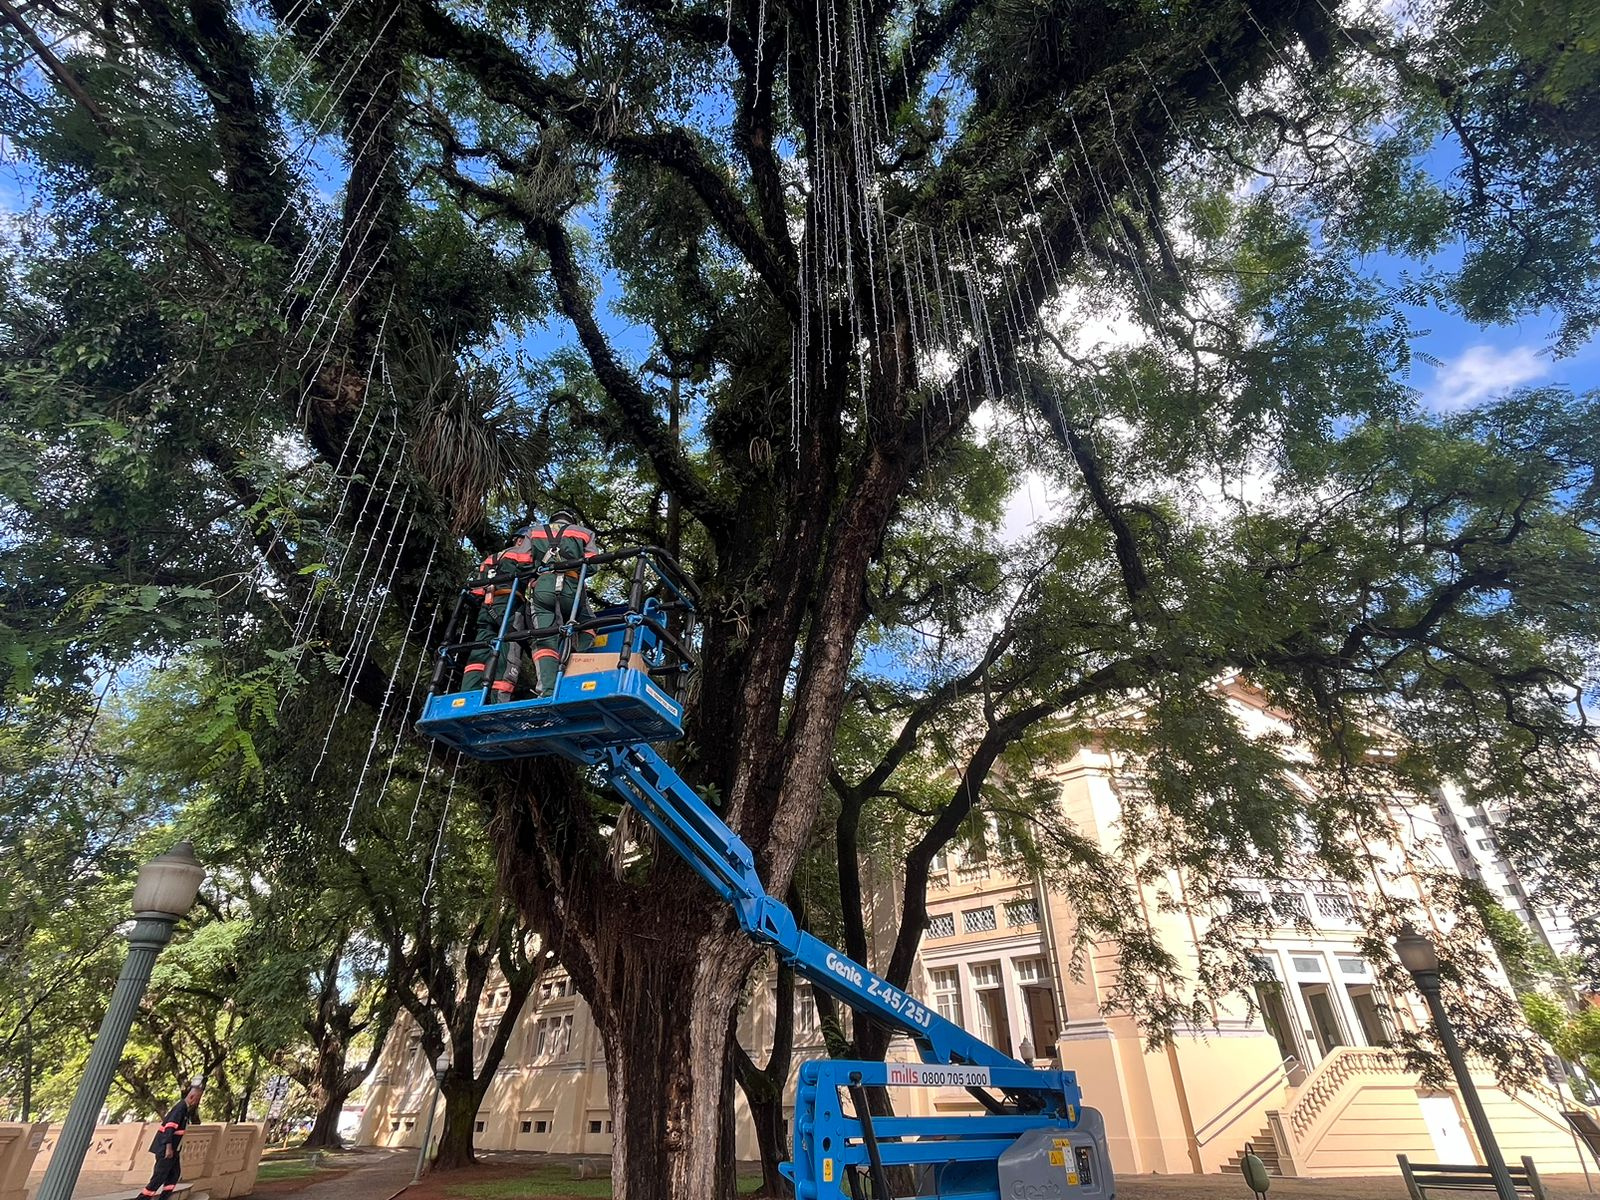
(658, 614)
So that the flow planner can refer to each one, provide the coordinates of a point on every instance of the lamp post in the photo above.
(1418, 955)
(440, 1066)
(165, 891)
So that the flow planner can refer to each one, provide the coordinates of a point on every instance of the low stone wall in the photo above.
(19, 1144)
(219, 1160)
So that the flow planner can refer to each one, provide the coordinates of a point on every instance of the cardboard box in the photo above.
(591, 661)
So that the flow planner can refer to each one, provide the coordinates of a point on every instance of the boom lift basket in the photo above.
(622, 669)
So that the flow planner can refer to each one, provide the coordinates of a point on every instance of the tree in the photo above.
(354, 1000)
(450, 944)
(848, 228)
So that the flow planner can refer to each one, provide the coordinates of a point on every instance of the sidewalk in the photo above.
(367, 1175)
(371, 1175)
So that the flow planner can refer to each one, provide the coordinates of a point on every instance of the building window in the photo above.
(1353, 966)
(1477, 822)
(1485, 843)
(978, 920)
(1373, 1017)
(477, 1126)
(1022, 912)
(552, 1037)
(394, 1126)
(807, 1023)
(527, 1127)
(1030, 970)
(1038, 1013)
(942, 926)
(994, 1021)
(555, 989)
(541, 1126)
(594, 1126)
(1290, 906)
(947, 993)
(1331, 904)
(410, 1125)
(1305, 964)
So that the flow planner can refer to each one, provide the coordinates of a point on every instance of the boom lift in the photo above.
(619, 689)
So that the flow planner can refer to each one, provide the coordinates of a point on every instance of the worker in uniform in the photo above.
(167, 1145)
(560, 545)
(500, 666)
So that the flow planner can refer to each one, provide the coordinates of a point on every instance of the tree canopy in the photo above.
(316, 300)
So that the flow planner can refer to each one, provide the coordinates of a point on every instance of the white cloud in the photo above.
(1479, 372)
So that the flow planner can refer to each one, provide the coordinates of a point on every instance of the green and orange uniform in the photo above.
(563, 545)
(499, 666)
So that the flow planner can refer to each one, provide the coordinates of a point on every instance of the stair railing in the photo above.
(1244, 1101)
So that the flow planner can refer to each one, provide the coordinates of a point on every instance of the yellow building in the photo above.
(1304, 1077)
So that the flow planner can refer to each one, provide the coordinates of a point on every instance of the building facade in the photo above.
(1302, 1074)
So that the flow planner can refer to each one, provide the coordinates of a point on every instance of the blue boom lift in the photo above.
(620, 688)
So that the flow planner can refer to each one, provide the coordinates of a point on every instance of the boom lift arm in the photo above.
(605, 709)
(720, 857)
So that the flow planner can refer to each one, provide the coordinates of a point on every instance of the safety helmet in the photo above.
(564, 514)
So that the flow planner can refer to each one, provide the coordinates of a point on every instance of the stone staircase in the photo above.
(1264, 1147)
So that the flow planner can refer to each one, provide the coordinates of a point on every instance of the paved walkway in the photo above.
(373, 1175)
(369, 1175)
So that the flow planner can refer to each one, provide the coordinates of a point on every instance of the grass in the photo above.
(287, 1168)
(551, 1181)
(541, 1181)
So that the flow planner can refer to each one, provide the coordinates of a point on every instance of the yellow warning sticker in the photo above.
(1072, 1113)
(588, 685)
(461, 703)
(601, 639)
(1058, 1143)
(1057, 1159)
(1072, 1179)
(827, 1170)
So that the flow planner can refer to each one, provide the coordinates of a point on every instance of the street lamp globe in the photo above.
(168, 884)
(1416, 952)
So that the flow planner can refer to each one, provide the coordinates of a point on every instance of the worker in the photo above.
(167, 1145)
(561, 545)
(499, 666)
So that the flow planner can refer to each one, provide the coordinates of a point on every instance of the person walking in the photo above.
(167, 1145)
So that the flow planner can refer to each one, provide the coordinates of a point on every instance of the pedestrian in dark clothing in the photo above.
(168, 1144)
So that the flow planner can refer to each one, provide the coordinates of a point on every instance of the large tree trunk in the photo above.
(766, 1112)
(329, 1091)
(665, 1022)
(456, 1126)
(324, 1133)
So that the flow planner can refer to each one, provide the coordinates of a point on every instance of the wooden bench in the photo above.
(1422, 1178)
